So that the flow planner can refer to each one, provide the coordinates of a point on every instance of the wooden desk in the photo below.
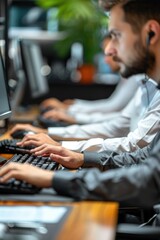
(28, 115)
(91, 221)
(87, 221)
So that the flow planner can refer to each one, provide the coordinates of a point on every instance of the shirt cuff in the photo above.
(91, 159)
(58, 131)
(61, 182)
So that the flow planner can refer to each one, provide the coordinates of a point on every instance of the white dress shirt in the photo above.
(136, 126)
(86, 111)
(122, 95)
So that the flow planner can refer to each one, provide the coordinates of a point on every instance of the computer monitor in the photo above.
(36, 84)
(16, 85)
(5, 109)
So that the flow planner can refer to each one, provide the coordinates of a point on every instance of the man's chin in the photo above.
(125, 74)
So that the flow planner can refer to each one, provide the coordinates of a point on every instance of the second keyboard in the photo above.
(10, 146)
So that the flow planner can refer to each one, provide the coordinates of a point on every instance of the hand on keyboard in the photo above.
(37, 140)
(27, 168)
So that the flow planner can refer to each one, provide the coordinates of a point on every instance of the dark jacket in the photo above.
(110, 160)
(138, 185)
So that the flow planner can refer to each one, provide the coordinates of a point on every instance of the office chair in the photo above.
(138, 230)
(133, 231)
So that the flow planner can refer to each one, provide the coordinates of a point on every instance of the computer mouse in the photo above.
(45, 122)
(19, 134)
(45, 109)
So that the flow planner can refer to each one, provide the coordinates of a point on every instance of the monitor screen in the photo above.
(5, 109)
(32, 63)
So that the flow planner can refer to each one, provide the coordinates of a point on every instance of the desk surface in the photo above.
(87, 220)
(30, 114)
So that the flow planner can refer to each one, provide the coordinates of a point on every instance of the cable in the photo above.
(147, 91)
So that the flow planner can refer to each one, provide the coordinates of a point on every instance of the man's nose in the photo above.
(109, 51)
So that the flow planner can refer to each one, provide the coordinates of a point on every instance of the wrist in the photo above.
(49, 179)
(81, 159)
(45, 131)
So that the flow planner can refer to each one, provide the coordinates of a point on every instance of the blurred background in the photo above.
(59, 40)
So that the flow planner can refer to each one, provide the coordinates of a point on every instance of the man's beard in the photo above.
(144, 62)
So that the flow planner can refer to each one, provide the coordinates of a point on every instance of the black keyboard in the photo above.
(14, 186)
(10, 146)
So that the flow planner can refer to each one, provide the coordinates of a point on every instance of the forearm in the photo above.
(74, 132)
(91, 118)
(119, 126)
(110, 160)
(130, 186)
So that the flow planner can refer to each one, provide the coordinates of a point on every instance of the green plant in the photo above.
(82, 20)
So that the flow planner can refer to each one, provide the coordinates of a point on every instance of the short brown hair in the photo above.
(108, 4)
(136, 12)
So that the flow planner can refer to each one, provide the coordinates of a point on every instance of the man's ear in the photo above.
(149, 37)
(152, 29)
